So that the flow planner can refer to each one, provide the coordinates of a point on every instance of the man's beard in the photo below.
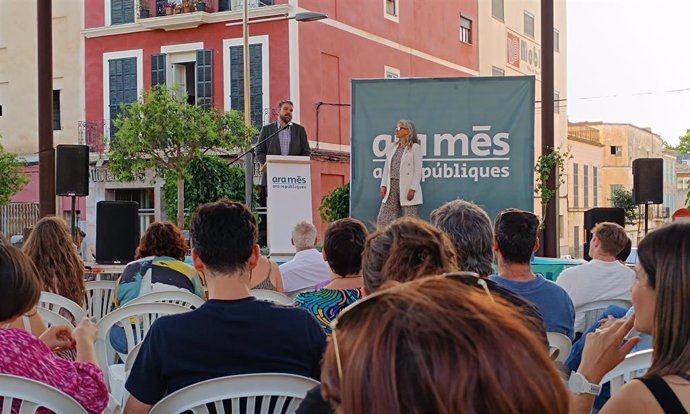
(285, 119)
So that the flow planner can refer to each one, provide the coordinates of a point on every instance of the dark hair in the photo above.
(224, 235)
(470, 229)
(162, 238)
(664, 255)
(435, 345)
(283, 102)
(343, 244)
(516, 232)
(623, 254)
(20, 288)
(407, 249)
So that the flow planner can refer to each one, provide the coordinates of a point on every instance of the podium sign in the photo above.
(288, 201)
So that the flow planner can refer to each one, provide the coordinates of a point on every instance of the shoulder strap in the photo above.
(664, 395)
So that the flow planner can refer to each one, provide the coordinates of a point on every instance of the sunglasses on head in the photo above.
(513, 213)
(470, 279)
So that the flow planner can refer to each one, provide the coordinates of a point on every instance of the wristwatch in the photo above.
(579, 385)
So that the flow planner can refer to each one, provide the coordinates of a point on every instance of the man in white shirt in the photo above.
(307, 269)
(604, 277)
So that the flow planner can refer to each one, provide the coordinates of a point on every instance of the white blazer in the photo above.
(410, 174)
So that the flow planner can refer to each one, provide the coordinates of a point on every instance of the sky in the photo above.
(624, 56)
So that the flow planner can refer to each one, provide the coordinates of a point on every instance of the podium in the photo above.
(288, 201)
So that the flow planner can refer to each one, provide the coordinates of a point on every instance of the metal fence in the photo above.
(15, 217)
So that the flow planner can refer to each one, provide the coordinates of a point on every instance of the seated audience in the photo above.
(603, 278)
(515, 241)
(307, 269)
(232, 333)
(266, 275)
(437, 345)
(661, 297)
(25, 355)
(342, 249)
(159, 266)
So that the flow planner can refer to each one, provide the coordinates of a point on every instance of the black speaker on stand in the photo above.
(648, 184)
(72, 176)
(117, 231)
(597, 215)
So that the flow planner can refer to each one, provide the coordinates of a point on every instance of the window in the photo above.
(391, 73)
(616, 150)
(576, 241)
(556, 102)
(595, 186)
(497, 9)
(497, 71)
(56, 111)
(576, 186)
(529, 24)
(556, 40)
(392, 7)
(465, 29)
(122, 86)
(121, 11)
(585, 180)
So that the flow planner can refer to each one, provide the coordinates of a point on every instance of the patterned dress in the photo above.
(326, 304)
(24, 355)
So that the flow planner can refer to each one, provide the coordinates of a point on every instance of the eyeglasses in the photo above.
(401, 127)
(467, 278)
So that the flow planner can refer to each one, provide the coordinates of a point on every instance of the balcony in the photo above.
(584, 133)
(95, 134)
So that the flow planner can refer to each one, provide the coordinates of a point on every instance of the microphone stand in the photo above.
(260, 142)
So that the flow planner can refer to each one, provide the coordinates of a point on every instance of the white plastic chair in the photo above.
(633, 366)
(287, 391)
(99, 298)
(560, 342)
(594, 310)
(272, 296)
(49, 317)
(33, 395)
(176, 297)
(55, 303)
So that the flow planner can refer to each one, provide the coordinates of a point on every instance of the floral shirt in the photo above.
(24, 355)
(326, 304)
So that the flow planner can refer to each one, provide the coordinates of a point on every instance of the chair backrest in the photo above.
(633, 366)
(32, 395)
(594, 310)
(49, 317)
(272, 296)
(131, 357)
(56, 303)
(99, 298)
(176, 297)
(560, 342)
(287, 391)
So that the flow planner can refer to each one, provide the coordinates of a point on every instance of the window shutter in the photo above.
(122, 86)
(256, 81)
(204, 78)
(158, 69)
(116, 11)
(128, 11)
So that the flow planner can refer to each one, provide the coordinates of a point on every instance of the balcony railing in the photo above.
(157, 8)
(584, 132)
(95, 134)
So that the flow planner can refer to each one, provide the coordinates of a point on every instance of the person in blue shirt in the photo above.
(515, 240)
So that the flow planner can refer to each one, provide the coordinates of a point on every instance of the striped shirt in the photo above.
(284, 137)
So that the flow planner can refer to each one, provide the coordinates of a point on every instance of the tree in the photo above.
(208, 179)
(163, 133)
(684, 143)
(12, 176)
(336, 204)
(622, 198)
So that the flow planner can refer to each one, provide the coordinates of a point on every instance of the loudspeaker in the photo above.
(648, 180)
(117, 231)
(593, 216)
(72, 170)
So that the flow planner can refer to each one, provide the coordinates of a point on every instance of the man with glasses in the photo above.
(515, 241)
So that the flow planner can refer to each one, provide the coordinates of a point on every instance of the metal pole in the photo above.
(248, 160)
(551, 240)
(646, 215)
(46, 152)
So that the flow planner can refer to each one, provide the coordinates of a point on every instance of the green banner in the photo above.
(477, 138)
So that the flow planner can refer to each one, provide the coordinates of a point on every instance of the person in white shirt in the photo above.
(307, 269)
(604, 277)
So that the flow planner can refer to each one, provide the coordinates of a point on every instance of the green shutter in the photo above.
(204, 78)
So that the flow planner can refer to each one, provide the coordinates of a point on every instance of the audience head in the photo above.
(515, 232)
(469, 227)
(304, 236)
(622, 256)
(224, 234)
(661, 296)
(396, 351)
(20, 288)
(407, 249)
(60, 269)
(608, 239)
(162, 238)
(343, 245)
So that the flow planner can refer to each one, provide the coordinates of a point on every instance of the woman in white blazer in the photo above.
(401, 190)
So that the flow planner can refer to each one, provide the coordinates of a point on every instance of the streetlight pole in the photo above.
(249, 158)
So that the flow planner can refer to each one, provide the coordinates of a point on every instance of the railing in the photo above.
(584, 132)
(15, 217)
(95, 134)
(158, 8)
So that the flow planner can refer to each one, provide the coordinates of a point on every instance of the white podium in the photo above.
(288, 201)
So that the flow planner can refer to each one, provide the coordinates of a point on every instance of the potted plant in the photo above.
(169, 8)
(143, 9)
(200, 5)
(186, 6)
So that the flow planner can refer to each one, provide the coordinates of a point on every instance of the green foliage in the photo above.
(12, 177)
(336, 204)
(684, 143)
(164, 134)
(208, 179)
(622, 198)
(546, 164)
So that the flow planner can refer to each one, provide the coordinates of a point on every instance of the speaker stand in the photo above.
(74, 217)
(646, 214)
